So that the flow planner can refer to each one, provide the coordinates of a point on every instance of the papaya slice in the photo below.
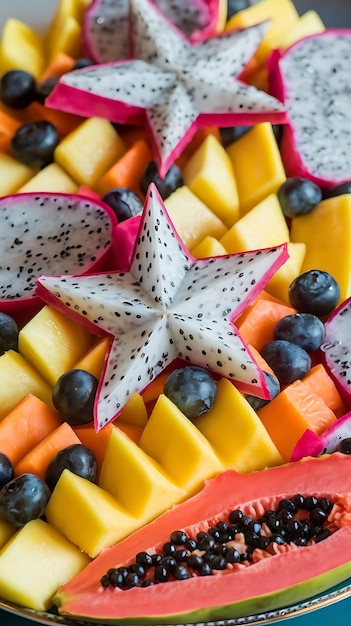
(267, 584)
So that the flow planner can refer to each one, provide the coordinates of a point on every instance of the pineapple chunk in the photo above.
(21, 48)
(98, 145)
(14, 174)
(53, 343)
(35, 562)
(51, 178)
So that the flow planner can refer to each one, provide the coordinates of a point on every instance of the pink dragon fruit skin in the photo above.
(336, 349)
(312, 79)
(311, 444)
(45, 232)
(106, 25)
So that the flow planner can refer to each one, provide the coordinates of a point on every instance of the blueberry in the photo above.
(17, 89)
(192, 389)
(22, 499)
(77, 458)
(34, 143)
(73, 396)
(304, 329)
(81, 63)
(234, 6)
(288, 361)
(45, 88)
(338, 190)
(124, 202)
(166, 185)
(345, 445)
(6, 470)
(298, 196)
(273, 387)
(315, 292)
(8, 333)
(230, 134)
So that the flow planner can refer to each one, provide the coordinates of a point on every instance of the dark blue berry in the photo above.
(304, 329)
(229, 134)
(17, 89)
(73, 396)
(6, 470)
(298, 196)
(273, 388)
(8, 333)
(124, 202)
(315, 292)
(79, 459)
(166, 185)
(45, 88)
(82, 62)
(192, 389)
(288, 361)
(234, 6)
(338, 190)
(23, 499)
(345, 446)
(34, 143)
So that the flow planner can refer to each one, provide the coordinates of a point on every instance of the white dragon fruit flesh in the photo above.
(311, 444)
(49, 233)
(173, 85)
(167, 306)
(313, 80)
(336, 349)
(106, 24)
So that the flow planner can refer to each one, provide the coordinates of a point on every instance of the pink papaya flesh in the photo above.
(288, 577)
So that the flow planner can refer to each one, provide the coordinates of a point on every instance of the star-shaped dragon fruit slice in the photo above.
(168, 306)
(175, 85)
(106, 24)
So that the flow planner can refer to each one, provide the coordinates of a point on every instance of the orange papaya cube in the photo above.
(59, 65)
(322, 384)
(25, 426)
(36, 461)
(93, 360)
(8, 127)
(291, 412)
(257, 164)
(128, 170)
(257, 327)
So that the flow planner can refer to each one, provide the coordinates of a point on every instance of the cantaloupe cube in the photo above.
(192, 219)
(279, 284)
(18, 378)
(51, 178)
(236, 432)
(262, 227)
(53, 343)
(21, 48)
(209, 175)
(75, 499)
(135, 480)
(98, 145)
(46, 561)
(209, 246)
(172, 440)
(13, 174)
(257, 164)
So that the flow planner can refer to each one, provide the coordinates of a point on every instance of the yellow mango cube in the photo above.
(6, 532)
(89, 150)
(192, 219)
(19, 378)
(176, 444)
(135, 480)
(236, 432)
(134, 412)
(208, 247)
(14, 174)
(47, 561)
(278, 285)
(53, 343)
(209, 175)
(257, 164)
(64, 33)
(93, 360)
(308, 24)
(75, 499)
(51, 178)
(262, 227)
(21, 48)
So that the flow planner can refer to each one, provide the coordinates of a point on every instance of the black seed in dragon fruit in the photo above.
(49, 233)
(312, 79)
(336, 349)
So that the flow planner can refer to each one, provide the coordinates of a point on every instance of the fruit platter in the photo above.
(175, 310)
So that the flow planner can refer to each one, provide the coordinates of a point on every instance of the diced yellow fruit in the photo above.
(6, 531)
(18, 378)
(87, 515)
(64, 33)
(281, 14)
(326, 231)
(93, 360)
(134, 412)
(222, 15)
(192, 219)
(278, 285)
(51, 178)
(236, 432)
(309, 24)
(208, 247)
(53, 343)
(14, 174)
(137, 482)
(98, 145)
(209, 175)
(177, 445)
(258, 166)
(21, 48)
(46, 560)
(262, 227)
